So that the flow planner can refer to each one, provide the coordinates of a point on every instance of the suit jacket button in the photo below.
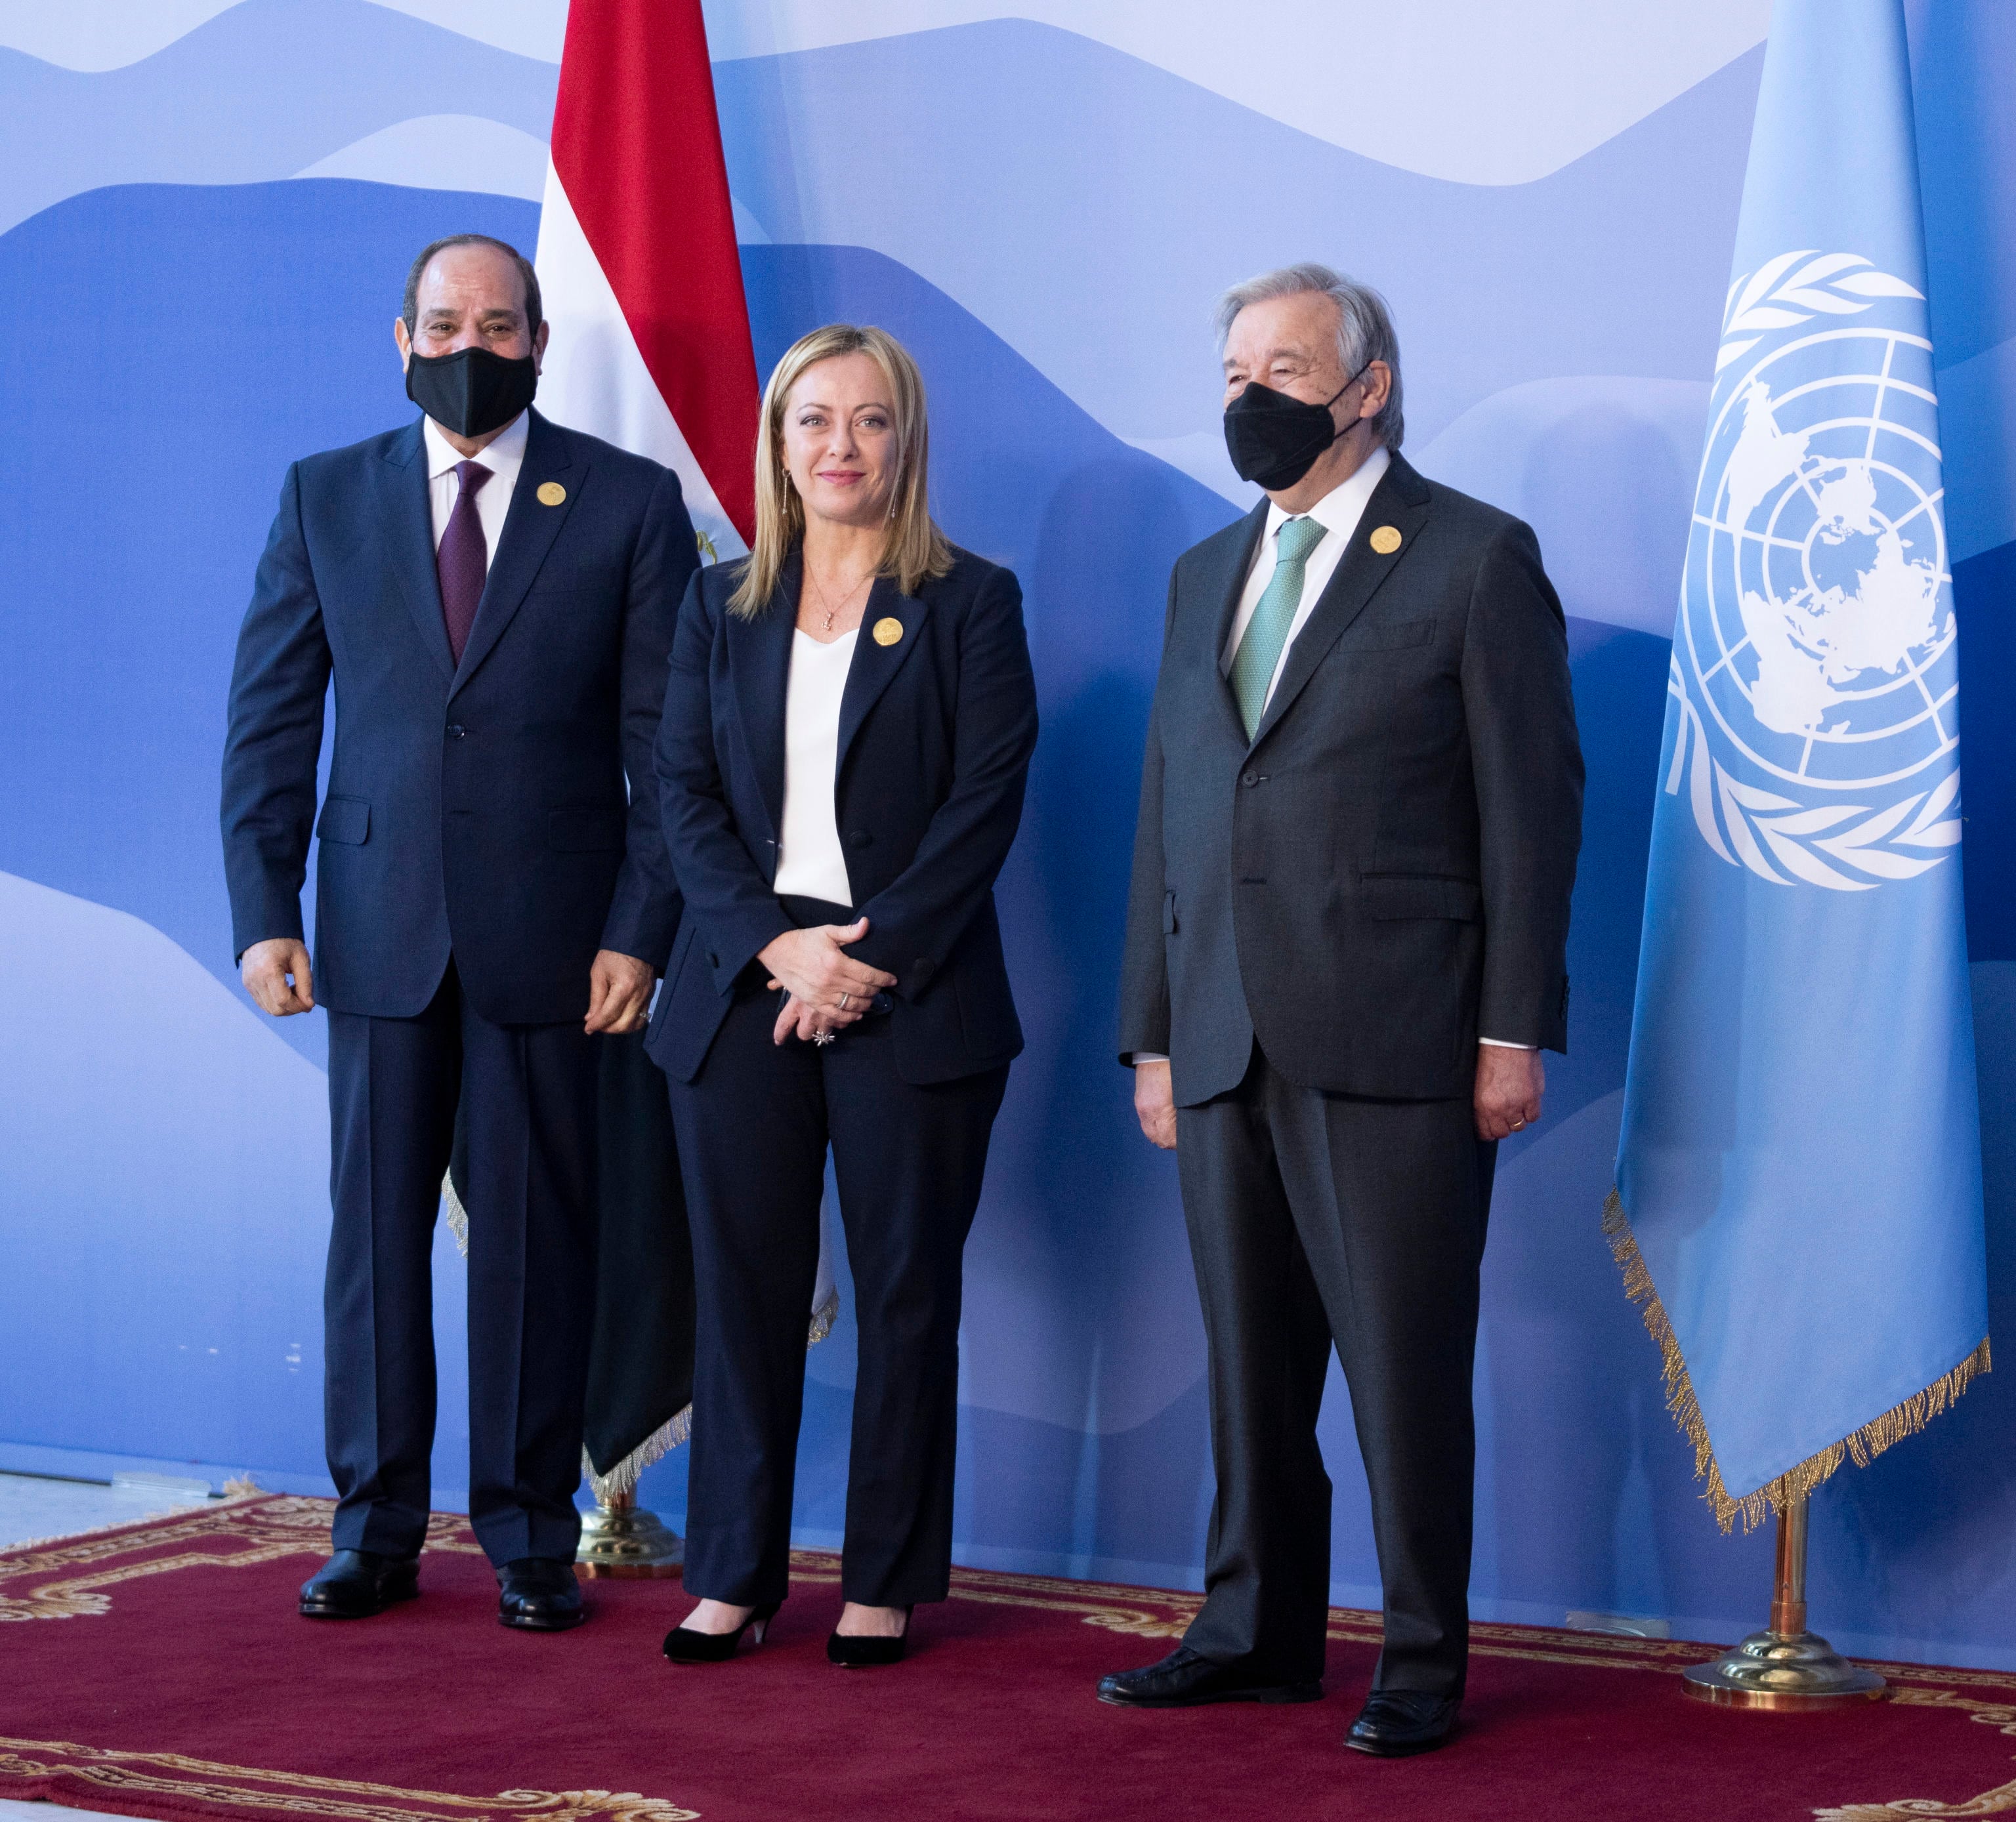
(1249, 778)
(859, 839)
(456, 730)
(922, 965)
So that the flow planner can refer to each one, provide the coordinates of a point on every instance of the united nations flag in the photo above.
(1798, 1182)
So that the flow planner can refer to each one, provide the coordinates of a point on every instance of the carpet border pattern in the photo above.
(77, 1577)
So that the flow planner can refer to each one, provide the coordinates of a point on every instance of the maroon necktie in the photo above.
(464, 560)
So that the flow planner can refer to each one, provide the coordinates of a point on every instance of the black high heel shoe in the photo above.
(684, 1646)
(854, 1651)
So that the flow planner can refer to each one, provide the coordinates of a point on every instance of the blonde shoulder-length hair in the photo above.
(914, 548)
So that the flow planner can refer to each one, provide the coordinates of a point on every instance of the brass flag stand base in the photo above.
(621, 1540)
(1787, 1667)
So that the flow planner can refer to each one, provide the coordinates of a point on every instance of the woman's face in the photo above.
(840, 440)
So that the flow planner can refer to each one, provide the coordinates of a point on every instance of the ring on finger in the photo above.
(844, 999)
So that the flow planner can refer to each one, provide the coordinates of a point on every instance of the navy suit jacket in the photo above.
(482, 808)
(936, 731)
(1382, 873)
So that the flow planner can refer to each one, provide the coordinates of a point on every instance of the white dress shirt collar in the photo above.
(502, 454)
(1339, 511)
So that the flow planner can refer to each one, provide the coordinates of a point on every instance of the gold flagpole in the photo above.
(621, 1540)
(1785, 1667)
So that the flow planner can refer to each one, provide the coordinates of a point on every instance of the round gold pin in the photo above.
(888, 632)
(1386, 540)
(551, 493)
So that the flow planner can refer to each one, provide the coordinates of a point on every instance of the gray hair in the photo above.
(1364, 327)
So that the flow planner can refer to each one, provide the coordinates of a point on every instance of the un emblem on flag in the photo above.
(1814, 661)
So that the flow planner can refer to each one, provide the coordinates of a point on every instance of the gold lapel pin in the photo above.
(888, 632)
(1386, 540)
(551, 493)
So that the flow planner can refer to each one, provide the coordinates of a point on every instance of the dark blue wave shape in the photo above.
(189, 342)
(261, 92)
(1984, 592)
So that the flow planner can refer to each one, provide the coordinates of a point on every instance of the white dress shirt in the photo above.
(503, 455)
(1338, 512)
(811, 862)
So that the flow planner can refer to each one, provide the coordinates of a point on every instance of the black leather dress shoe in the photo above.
(1396, 1723)
(353, 1584)
(537, 1593)
(1184, 1679)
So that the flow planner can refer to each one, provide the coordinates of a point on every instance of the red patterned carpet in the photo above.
(159, 1670)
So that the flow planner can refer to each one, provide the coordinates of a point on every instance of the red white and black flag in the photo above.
(637, 259)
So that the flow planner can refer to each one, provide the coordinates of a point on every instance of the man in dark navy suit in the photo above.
(494, 597)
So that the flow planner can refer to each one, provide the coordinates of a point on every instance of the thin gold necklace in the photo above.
(831, 611)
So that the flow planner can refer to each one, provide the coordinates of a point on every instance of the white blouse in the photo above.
(811, 862)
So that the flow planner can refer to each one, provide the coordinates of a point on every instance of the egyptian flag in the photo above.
(637, 260)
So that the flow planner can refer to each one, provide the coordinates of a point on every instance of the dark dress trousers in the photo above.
(478, 846)
(1323, 919)
(936, 731)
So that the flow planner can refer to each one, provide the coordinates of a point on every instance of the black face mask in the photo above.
(471, 392)
(1275, 440)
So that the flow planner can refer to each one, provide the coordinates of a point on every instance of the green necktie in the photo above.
(1267, 632)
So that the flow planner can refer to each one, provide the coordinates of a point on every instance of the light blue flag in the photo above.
(1799, 1204)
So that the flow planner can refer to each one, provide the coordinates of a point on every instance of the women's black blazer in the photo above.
(937, 726)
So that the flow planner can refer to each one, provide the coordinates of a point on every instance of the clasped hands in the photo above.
(278, 974)
(824, 989)
(1510, 1084)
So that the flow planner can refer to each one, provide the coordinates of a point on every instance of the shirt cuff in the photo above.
(1149, 1056)
(1499, 1043)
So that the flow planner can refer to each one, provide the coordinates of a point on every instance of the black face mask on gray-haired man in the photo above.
(1361, 806)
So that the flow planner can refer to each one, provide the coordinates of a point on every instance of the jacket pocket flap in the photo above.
(584, 830)
(1422, 895)
(344, 819)
(1398, 637)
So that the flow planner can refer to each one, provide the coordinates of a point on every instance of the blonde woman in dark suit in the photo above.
(847, 733)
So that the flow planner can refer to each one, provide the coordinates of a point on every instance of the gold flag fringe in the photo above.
(458, 1216)
(1861, 1447)
(622, 1478)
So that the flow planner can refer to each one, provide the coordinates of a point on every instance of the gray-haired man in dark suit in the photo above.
(1361, 804)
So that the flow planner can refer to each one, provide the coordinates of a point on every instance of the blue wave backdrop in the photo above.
(200, 248)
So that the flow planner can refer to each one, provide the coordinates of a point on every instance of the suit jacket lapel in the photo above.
(1401, 500)
(759, 663)
(1232, 587)
(530, 528)
(407, 515)
(875, 663)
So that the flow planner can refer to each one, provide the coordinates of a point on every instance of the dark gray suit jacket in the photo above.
(1384, 871)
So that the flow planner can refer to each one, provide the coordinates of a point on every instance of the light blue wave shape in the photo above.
(1088, 207)
(259, 92)
(444, 152)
